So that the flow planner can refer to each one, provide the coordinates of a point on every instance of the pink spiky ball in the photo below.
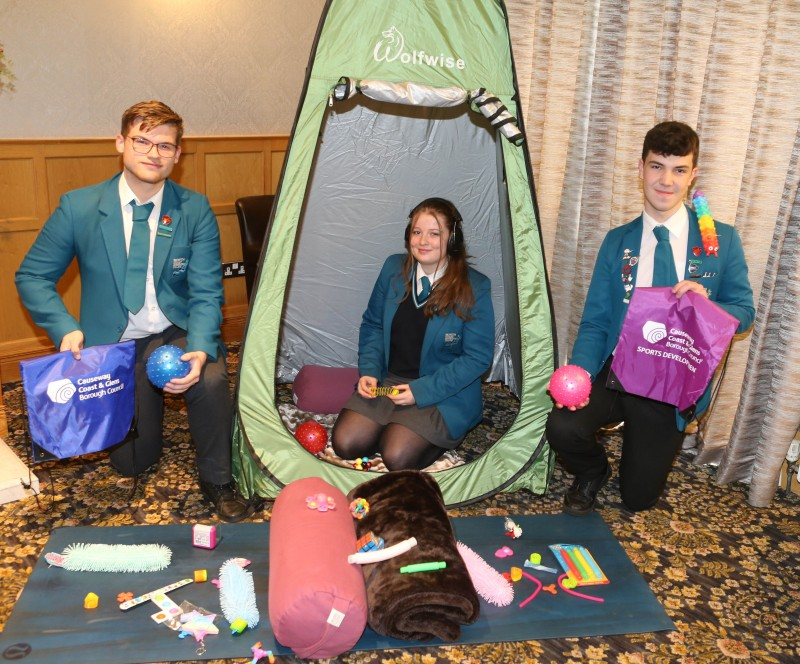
(570, 385)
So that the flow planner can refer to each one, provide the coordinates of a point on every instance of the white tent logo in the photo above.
(60, 391)
(654, 331)
(392, 46)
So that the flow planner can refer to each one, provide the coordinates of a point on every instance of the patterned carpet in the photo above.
(726, 573)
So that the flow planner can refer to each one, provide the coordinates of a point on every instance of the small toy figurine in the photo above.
(259, 654)
(512, 529)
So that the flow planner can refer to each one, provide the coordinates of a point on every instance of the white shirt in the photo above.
(678, 226)
(433, 279)
(149, 319)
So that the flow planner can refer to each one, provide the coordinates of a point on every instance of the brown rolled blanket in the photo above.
(422, 605)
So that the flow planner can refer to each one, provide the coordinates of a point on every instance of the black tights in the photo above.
(355, 436)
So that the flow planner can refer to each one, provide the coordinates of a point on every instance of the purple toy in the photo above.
(165, 363)
(570, 385)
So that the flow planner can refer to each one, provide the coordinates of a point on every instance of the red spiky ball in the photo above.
(312, 436)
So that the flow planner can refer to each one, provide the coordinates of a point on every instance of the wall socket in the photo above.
(232, 269)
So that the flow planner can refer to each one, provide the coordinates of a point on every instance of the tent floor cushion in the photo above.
(319, 389)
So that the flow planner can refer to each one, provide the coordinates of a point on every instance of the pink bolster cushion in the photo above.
(317, 600)
(319, 389)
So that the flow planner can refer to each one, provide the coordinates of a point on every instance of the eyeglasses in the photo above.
(143, 146)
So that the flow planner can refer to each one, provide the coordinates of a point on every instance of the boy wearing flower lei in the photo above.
(709, 257)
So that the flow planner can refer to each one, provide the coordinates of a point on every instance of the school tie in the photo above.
(425, 283)
(138, 257)
(664, 264)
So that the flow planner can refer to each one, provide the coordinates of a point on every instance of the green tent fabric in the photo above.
(402, 100)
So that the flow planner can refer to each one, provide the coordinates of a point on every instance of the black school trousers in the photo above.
(209, 410)
(650, 440)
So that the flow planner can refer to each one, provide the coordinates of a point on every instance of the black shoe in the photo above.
(582, 495)
(229, 505)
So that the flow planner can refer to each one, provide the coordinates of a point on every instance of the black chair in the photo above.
(253, 213)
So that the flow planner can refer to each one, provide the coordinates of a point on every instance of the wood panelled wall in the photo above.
(34, 174)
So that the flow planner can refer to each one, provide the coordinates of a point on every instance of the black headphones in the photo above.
(455, 243)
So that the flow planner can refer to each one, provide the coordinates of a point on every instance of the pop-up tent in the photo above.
(402, 101)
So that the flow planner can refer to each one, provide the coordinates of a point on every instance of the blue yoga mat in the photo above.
(49, 623)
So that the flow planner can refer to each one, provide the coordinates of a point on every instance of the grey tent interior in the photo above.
(354, 169)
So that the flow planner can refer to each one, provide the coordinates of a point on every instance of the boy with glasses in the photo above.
(148, 252)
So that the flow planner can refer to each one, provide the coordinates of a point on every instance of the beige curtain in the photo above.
(594, 76)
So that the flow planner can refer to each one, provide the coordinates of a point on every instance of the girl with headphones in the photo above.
(428, 336)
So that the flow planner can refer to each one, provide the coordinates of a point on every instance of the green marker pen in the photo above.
(423, 567)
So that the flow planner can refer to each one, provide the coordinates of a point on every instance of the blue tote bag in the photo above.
(80, 406)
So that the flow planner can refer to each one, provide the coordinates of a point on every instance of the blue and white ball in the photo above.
(165, 363)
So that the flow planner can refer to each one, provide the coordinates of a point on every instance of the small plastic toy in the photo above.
(535, 592)
(541, 568)
(378, 555)
(136, 601)
(238, 626)
(503, 552)
(312, 436)
(488, 582)
(579, 564)
(369, 542)
(384, 391)
(165, 363)
(200, 575)
(320, 502)
(512, 529)
(112, 558)
(124, 597)
(432, 566)
(570, 385)
(91, 601)
(516, 574)
(237, 596)
(259, 654)
(204, 537)
(198, 625)
(567, 584)
(362, 464)
(197, 622)
(359, 508)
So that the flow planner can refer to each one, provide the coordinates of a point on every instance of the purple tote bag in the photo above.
(669, 348)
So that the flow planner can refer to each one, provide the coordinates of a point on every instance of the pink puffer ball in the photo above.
(570, 385)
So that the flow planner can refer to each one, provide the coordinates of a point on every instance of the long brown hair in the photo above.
(453, 292)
